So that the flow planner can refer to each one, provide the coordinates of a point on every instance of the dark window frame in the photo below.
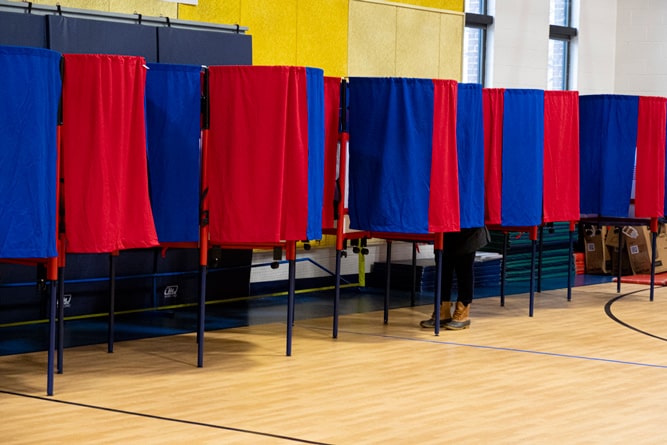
(565, 34)
(481, 22)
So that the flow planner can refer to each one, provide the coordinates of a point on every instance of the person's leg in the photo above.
(464, 265)
(447, 270)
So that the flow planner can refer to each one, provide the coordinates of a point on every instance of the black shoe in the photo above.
(456, 325)
(430, 323)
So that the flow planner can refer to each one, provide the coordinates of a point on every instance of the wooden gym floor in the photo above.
(589, 371)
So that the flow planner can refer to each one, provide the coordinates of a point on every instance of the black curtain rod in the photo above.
(32, 8)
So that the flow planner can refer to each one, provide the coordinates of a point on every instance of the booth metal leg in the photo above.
(438, 290)
(414, 274)
(619, 272)
(61, 317)
(387, 284)
(290, 305)
(201, 316)
(112, 302)
(339, 254)
(52, 339)
(654, 240)
(503, 269)
(532, 278)
(156, 259)
(570, 266)
(539, 258)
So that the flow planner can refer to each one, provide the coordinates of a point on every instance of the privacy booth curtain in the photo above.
(107, 206)
(29, 94)
(493, 104)
(332, 93)
(173, 105)
(266, 157)
(403, 155)
(470, 144)
(514, 136)
(561, 156)
(618, 133)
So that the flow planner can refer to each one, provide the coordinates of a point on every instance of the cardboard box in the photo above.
(661, 247)
(596, 254)
(611, 239)
(638, 242)
(626, 269)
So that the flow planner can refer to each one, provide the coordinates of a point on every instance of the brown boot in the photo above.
(445, 316)
(460, 319)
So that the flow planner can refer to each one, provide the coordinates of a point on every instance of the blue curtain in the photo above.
(30, 90)
(315, 88)
(391, 131)
(523, 157)
(608, 140)
(470, 150)
(173, 97)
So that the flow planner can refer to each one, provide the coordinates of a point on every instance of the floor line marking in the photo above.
(156, 417)
(502, 348)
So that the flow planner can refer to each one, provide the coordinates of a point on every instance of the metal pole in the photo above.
(61, 317)
(503, 268)
(539, 258)
(532, 278)
(201, 317)
(387, 283)
(570, 264)
(654, 240)
(414, 274)
(290, 304)
(112, 302)
(339, 254)
(620, 261)
(52, 339)
(438, 290)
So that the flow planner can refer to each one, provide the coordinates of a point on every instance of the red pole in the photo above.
(203, 226)
(342, 174)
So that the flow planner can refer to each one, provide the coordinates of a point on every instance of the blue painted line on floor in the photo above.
(551, 354)
(501, 348)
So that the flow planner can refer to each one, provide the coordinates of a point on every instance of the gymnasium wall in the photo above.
(641, 48)
(285, 32)
(388, 39)
(519, 45)
(596, 44)
(414, 38)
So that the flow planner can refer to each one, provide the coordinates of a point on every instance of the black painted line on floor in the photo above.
(168, 419)
(610, 314)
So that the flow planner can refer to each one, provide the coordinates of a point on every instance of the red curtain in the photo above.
(331, 123)
(561, 156)
(650, 173)
(444, 209)
(106, 199)
(258, 154)
(493, 102)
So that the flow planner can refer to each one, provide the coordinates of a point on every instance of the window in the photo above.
(474, 40)
(560, 36)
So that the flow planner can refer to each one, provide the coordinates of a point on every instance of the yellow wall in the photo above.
(451, 5)
(285, 32)
(398, 40)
